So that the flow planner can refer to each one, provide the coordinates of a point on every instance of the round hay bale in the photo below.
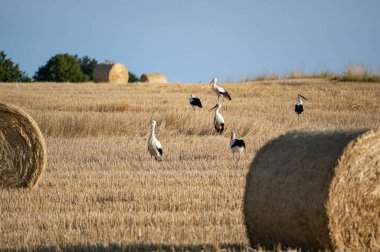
(316, 190)
(111, 73)
(22, 149)
(153, 78)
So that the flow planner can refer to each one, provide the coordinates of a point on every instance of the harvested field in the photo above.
(101, 190)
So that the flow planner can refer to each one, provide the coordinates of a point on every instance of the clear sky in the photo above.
(195, 40)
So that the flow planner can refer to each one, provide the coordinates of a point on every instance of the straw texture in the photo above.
(354, 198)
(111, 73)
(153, 78)
(294, 191)
(22, 149)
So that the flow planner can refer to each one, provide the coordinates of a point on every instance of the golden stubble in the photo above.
(102, 189)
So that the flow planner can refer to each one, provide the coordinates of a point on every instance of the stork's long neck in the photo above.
(217, 110)
(152, 136)
(233, 136)
(214, 85)
(299, 99)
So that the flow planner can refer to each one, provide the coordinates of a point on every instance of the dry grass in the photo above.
(101, 190)
(358, 73)
(352, 73)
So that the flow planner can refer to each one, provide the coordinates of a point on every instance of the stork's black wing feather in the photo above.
(221, 128)
(227, 95)
(196, 102)
(160, 151)
(238, 143)
(298, 108)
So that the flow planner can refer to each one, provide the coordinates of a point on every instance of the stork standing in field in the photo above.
(218, 119)
(154, 146)
(195, 102)
(298, 108)
(237, 145)
(220, 92)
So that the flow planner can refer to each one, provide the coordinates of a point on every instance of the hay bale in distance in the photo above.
(153, 78)
(316, 189)
(111, 73)
(22, 149)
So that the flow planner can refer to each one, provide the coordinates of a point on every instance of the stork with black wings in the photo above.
(220, 92)
(237, 145)
(195, 102)
(154, 146)
(298, 108)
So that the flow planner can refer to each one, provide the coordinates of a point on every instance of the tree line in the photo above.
(59, 68)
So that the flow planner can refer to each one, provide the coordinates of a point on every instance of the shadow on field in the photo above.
(136, 247)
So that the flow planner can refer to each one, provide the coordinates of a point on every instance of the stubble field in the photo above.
(101, 189)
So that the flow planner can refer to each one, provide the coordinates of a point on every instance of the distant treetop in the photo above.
(61, 68)
(10, 72)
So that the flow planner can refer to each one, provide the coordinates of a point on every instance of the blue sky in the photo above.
(193, 41)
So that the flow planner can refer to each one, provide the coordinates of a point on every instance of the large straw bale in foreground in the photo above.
(316, 189)
(111, 73)
(153, 78)
(22, 149)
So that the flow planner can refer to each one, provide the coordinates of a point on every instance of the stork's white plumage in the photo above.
(154, 146)
(218, 119)
(298, 108)
(220, 92)
(237, 145)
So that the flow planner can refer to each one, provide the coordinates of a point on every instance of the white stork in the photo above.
(298, 108)
(218, 119)
(220, 92)
(154, 146)
(195, 102)
(237, 145)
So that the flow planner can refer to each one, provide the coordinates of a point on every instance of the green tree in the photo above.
(87, 65)
(61, 68)
(10, 72)
(132, 77)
